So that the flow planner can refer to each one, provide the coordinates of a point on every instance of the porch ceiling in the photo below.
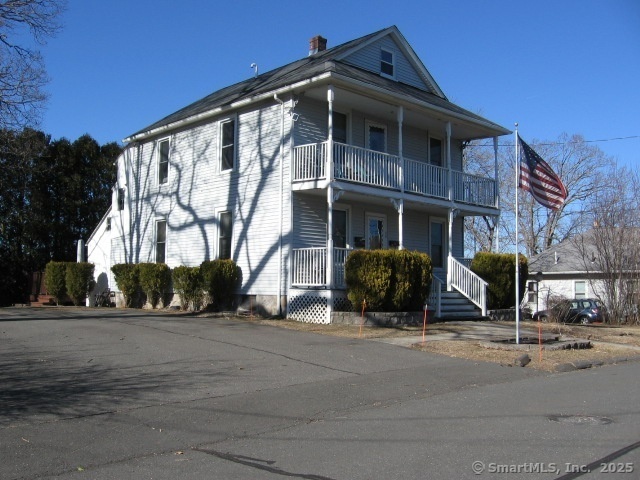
(386, 108)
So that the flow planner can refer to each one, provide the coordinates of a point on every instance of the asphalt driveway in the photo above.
(105, 393)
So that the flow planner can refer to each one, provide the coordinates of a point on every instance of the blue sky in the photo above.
(553, 66)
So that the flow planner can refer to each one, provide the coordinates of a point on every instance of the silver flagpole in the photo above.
(517, 237)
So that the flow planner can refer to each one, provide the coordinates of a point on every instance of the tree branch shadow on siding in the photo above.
(185, 206)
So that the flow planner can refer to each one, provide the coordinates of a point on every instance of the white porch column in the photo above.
(400, 152)
(399, 206)
(453, 213)
(448, 160)
(329, 269)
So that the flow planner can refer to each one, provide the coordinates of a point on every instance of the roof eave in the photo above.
(218, 110)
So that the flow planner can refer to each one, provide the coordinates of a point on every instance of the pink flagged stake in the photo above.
(364, 304)
(424, 324)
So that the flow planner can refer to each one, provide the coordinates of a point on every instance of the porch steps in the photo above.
(456, 306)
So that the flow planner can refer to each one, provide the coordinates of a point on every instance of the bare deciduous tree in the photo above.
(611, 249)
(583, 168)
(22, 71)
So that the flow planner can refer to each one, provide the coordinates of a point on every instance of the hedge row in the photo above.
(73, 279)
(499, 271)
(388, 280)
(216, 278)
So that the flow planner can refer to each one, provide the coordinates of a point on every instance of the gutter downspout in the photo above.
(275, 97)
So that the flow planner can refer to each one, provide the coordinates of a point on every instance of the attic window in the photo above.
(387, 63)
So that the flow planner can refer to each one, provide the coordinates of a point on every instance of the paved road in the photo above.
(112, 394)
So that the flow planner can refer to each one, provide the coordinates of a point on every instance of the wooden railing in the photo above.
(435, 296)
(377, 169)
(309, 161)
(468, 283)
(369, 167)
(309, 267)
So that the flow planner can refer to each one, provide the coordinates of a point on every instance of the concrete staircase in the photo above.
(456, 306)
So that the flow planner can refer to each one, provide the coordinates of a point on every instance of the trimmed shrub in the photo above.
(55, 280)
(220, 279)
(126, 276)
(499, 271)
(79, 281)
(154, 280)
(388, 280)
(187, 282)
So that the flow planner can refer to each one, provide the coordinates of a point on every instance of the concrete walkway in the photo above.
(487, 331)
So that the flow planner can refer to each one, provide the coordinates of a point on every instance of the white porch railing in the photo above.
(474, 189)
(468, 283)
(309, 267)
(339, 259)
(435, 296)
(309, 161)
(377, 169)
(360, 165)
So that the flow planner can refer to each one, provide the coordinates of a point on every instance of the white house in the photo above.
(354, 146)
(600, 263)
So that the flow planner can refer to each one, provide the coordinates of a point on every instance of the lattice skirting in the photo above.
(315, 306)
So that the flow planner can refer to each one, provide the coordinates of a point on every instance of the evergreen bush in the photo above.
(499, 271)
(79, 281)
(388, 280)
(154, 280)
(187, 282)
(55, 280)
(220, 279)
(126, 276)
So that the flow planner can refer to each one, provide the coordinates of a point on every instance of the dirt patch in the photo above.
(548, 360)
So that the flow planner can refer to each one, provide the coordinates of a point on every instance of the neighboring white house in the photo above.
(583, 266)
(354, 146)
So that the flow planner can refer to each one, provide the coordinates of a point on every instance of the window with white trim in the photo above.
(225, 232)
(121, 199)
(387, 63)
(163, 161)
(227, 144)
(580, 289)
(161, 241)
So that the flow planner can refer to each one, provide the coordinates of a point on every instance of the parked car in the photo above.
(579, 310)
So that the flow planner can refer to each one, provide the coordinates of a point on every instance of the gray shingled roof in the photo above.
(311, 66)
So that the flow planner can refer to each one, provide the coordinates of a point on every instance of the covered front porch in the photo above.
(311, 269)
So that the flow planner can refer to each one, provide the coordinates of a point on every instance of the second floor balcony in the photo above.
(376, 169)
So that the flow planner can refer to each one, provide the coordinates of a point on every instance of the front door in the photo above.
(376, 235)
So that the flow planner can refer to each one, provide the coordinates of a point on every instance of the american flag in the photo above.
(537, 177)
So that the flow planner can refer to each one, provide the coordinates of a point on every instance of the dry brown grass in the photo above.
(609, 342)
(547, 360)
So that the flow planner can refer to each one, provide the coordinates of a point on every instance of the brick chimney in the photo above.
(317, 44)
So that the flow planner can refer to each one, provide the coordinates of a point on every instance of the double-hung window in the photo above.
(387, 63)
(225, 230)
(121, 199)
(227, 144)
(163, 161)
(161, 241)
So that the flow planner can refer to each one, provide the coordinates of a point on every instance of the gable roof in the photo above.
(317, 66)
(580, 254)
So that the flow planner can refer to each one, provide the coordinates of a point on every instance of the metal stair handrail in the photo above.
(468, 283)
